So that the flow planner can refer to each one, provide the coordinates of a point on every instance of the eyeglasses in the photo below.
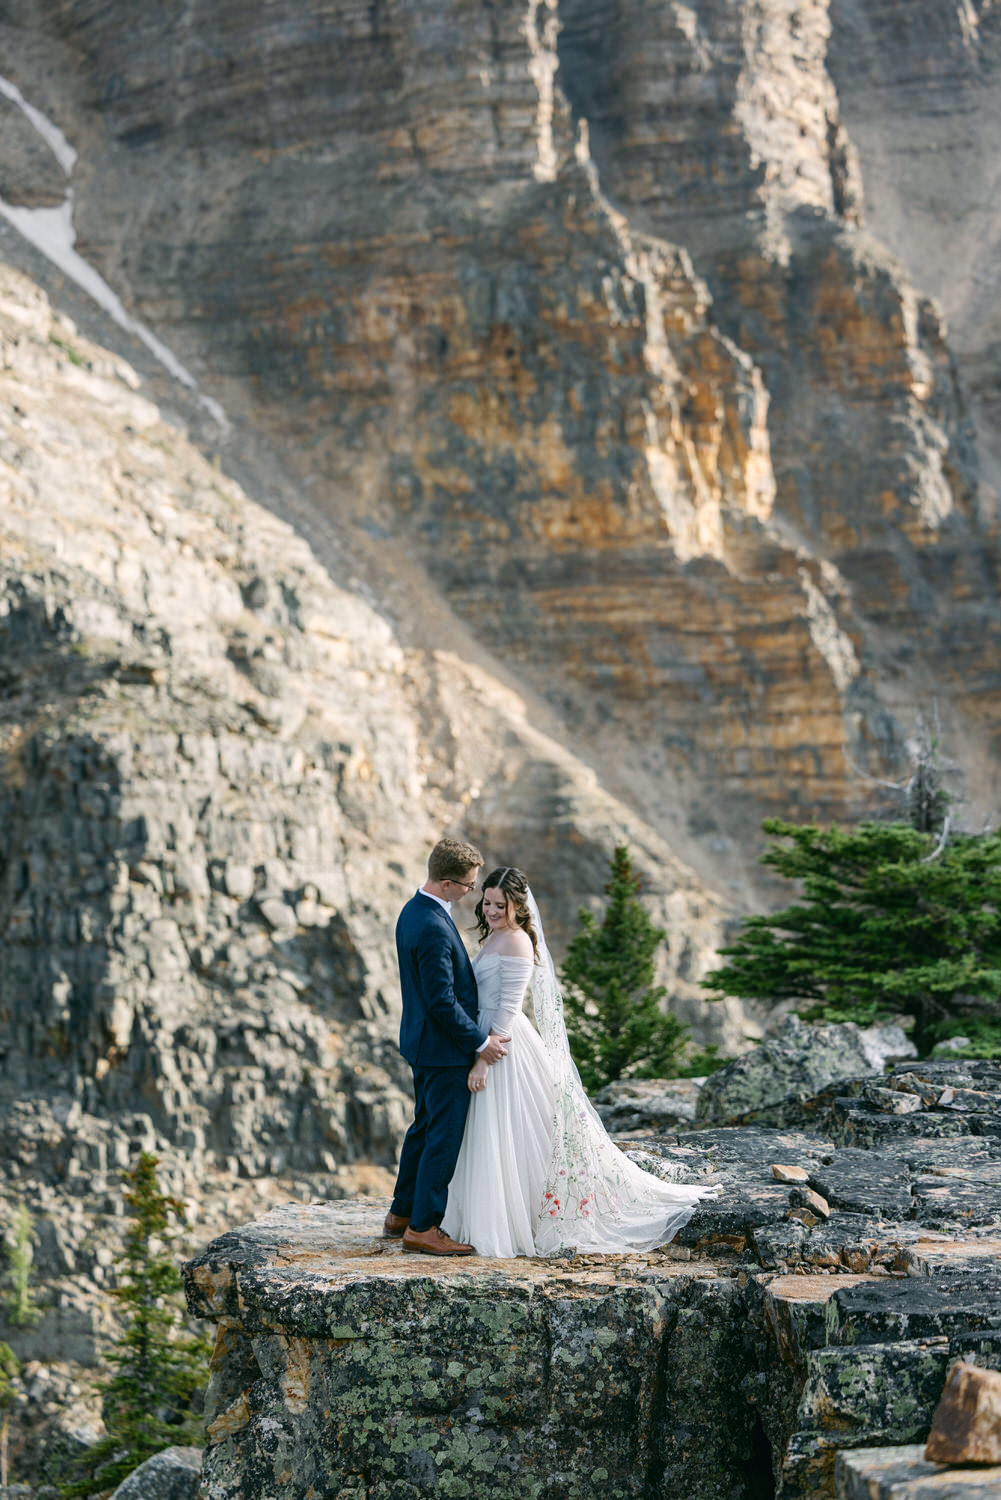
(464, 883)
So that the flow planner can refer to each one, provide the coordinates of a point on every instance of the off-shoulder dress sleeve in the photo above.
(515, 973)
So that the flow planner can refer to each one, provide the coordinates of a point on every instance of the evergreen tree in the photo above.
(893, 920)
(928, 801)
(147, 1403)
(614, 1021)
(18, 1303)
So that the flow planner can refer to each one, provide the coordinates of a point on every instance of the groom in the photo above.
(439, 1037)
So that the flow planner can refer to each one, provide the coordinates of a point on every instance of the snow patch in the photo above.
(51, 231)
(51, 134)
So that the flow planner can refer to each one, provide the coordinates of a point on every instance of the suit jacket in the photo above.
(438, 1028)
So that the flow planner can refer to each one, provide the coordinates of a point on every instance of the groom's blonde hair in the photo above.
(451, 858)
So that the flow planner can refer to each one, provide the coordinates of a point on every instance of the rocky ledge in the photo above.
(814, 1307)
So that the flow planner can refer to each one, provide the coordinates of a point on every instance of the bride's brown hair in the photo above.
(513, 884)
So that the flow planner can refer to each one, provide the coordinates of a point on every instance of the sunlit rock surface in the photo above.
(594, 320)
(742, 1357)
(220, 775)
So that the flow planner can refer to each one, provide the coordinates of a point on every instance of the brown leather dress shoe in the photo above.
(433, 1241)
(394, 1225)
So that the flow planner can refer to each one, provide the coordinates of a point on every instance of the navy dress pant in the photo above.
(431, 1145)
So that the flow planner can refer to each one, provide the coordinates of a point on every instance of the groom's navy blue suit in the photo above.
(439, 1037)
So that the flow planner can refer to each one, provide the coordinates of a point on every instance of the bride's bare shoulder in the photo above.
(513, 944)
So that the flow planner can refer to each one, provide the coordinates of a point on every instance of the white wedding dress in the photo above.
(537, 1173)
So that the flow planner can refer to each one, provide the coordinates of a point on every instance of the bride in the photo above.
(537, 1173)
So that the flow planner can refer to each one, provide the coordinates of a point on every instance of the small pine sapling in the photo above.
(148, 1401)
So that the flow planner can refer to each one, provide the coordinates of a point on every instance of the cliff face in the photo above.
(208, 752)
(584, 313)
(220, 774)
(590, 345)
(219, 785)
(725, 132)
(577, 357)
(918, 93)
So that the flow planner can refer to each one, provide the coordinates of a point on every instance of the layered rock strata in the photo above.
(720, 126)
(737, 1362)
(583, 314)
(918, 94)
(216, 789)
(220, 774)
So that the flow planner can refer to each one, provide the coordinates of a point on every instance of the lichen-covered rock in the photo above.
(173, 1474)
(822, 1394)
(647, 1104)
(754, 1342)
(522, 1378)
(771, 1082)
(933, 1098)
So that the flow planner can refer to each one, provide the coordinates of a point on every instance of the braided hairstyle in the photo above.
(513, 884)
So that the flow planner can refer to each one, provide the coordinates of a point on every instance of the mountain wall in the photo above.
(561, 422)
(220, 775)
(604, 317)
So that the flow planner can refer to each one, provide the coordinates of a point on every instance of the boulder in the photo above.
(966, 1427)
(173, 1474)
(886, 1044)
(648, 1103)
(777, 1077)
(951, 1045)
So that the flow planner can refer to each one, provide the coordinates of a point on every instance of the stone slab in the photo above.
(338, 1355)
(324, 1247)
(926, 1255)
(966, 1427)
(957, 1301)
(902, 1473)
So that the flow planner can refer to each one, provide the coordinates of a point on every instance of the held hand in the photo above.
(477, 1076)
(495, 1049)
